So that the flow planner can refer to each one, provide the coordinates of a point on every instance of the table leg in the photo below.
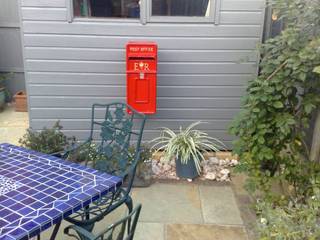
(55, 231)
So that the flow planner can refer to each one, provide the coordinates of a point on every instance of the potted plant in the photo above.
(3, 90)
(187, 148)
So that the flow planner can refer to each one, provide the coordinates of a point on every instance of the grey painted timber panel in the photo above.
(242, 5)
(43, 3)
(120, 79)
(162, 102)
(165, 43)
(166, 113)
(174, 55)
(50, 14)
(203, 68)
(117, 91)
(240, 17)
(136, 29)
(118, 67)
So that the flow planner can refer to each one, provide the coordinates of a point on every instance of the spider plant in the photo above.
(187, 144)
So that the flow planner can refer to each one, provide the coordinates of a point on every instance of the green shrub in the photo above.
(276, 114)
(49, 140)
(85, 152)
(294, 220)
(144, 163)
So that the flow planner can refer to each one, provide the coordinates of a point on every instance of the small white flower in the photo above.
(313, 197)
(263, 221)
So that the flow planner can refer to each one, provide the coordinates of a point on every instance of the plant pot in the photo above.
(2, 98)
(187, 170)
(20, 99)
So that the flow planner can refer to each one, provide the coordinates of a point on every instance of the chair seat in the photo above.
(88, 216)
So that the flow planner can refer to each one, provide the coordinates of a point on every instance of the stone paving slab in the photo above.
(204, 232)
(219, 205)
(13, 125)
(150, 231)
(168, 203)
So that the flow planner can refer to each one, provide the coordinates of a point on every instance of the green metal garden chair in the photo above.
(114, 231)
(112, 131)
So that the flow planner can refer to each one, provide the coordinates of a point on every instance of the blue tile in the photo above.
(12, 217)
(25, 211)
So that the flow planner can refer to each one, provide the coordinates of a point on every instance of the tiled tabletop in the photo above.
(38, 190)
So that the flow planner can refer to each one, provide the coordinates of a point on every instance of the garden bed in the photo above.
(216, 167)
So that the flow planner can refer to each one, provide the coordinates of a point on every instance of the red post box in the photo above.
(142, 76)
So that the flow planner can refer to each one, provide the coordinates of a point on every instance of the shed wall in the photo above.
(203, 68)
(10, 44)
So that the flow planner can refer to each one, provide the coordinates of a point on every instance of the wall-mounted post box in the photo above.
(142, 60)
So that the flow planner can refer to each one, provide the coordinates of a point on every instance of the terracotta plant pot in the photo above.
(20, 99)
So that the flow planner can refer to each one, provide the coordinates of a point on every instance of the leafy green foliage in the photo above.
(293, 220)
(187, 144)
(3, 79)
(47, 140)
(144, 164)
(85, 152)
(280, 101)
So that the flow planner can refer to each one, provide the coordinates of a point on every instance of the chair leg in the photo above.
(129, 204)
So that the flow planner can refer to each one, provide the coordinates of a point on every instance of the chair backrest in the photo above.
(114, 127)
(124, 229)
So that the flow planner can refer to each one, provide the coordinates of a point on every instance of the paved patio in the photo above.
(170, 211)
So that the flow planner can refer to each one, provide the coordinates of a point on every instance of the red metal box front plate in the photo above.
(142, 76)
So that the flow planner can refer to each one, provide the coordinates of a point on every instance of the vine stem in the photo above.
(277, 70)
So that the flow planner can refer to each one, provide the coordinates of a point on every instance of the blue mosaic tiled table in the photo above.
(37, 190)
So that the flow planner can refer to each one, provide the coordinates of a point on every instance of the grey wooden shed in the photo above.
(72, 62)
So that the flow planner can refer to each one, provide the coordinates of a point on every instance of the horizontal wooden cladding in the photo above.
(120, 79)
(51, 14)
(179, 113)
(119, 55)
(119, 91)
(242, 5)
(60, 14)
(162, 102)
(43, 3)
(241, 17)
(164, 43)
(154, 124)
(119, 67)
(136, 29)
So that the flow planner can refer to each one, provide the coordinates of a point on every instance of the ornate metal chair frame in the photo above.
(130, 222)
(114, 145)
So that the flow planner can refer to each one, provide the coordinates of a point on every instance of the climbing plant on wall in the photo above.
(280, 102)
